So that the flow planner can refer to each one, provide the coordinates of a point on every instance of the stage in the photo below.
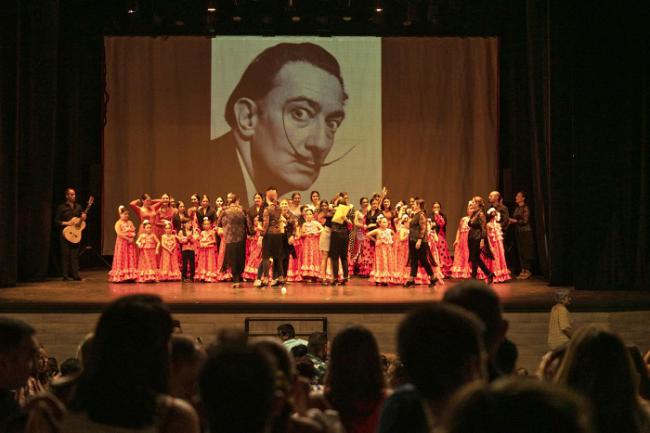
(359, 295)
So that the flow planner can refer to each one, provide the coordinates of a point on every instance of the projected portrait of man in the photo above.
(283, 117)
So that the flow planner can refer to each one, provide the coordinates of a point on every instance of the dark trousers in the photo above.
(235, 258)
(272, 249)
(188, 264)
(419, 257)
(339, 251)
(475, 259)
(69, 259)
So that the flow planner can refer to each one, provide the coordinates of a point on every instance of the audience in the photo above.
(237, 386)
(354, 385)
(514, 405)
(18, 351)
(441, 349)
(317, 349)
(186, 362)
(598, 366)
(124, 383)
(559, 323)
(480, 299)
(287, 334)
(135, 374)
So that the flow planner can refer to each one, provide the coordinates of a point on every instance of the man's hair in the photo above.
(420, 203)
(12, 333)
(286, 329)
(271, 188)
(517, 405)
(506, 358)
(480, 299)
(299, 351)
(317, 342)
(435, 344)
(183, 349)
(70, 366)
(237, 384)
(257, 80)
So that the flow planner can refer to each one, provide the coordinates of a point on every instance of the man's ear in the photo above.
(246, 112)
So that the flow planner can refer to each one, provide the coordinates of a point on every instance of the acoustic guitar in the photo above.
(72, 232)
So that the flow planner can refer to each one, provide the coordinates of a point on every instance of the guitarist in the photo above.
(69, 251)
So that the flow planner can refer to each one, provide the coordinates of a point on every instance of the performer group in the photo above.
(282, 240)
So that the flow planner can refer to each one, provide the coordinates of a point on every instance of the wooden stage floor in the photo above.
(92, 294)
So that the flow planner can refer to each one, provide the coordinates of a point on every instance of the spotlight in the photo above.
(379, 8)
(212, 9)
(132, 7)
(237, 18)
(212, 6)
(295, 19)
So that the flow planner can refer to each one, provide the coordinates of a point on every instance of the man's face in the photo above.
(297, 121)
(71, 195)
(230, 198)
(493, 197)
(17, 366)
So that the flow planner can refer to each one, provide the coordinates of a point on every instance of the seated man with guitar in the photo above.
(70, 220)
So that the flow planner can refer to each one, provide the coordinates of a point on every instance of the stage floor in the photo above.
(92, 294)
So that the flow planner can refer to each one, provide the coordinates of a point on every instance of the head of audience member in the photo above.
(286, 332)
(642, 371)
(299, 351)
(396, 375)
(516, 405)
(506, 358)
(598, 366)
(441, 348)
(563, 296)
(186, 361)
(480, 299)
(18, 353)
(237, 386)
(70, 367)
(355, 378)
(128, 364)
(318, 345)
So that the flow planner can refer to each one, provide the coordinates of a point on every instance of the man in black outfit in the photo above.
(340, 239)
(69, 251)
(476, 239)
(418, 247)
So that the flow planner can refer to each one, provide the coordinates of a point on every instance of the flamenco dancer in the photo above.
(495, 238)
(272, 244)
(125, 264)
(476, 238)
(385, 269)
(150, 247)
(418, 244)
(439, 220)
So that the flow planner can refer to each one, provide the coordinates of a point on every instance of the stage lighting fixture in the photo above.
(132, 7)
(379, 8)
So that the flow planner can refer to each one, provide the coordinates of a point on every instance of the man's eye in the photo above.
(333, 124)
(300, 114)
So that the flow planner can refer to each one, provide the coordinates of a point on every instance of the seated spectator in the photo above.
(186, 362)
(480, 299)
(506, 357)
(299, 351)
(642, 372)
(559, 323)
(317, 348)
(287, 334)
(354, 385)
(598, 366)
(18, 350)
(515, 405)
(124, 383)
(442, 350)
(70, 367)
(237, 387)
(396, 374)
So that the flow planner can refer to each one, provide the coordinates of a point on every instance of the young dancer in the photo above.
(169, 269)
(206, 270)
(188, 238)
(149, 247)
(495, 238)
(311, 256)
(385, 267)
(125, 264)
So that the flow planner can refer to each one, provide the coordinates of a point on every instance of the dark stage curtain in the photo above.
(574, 134)
(50, 125)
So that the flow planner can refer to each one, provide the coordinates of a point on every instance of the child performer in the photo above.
(149, 247)
(206, 270)
(254, 252)
(401, 245)
(125, 263)
(461, 267)
(384, 268)
(498, 265)
(310, 260)
(188, 238)
(169, 270)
